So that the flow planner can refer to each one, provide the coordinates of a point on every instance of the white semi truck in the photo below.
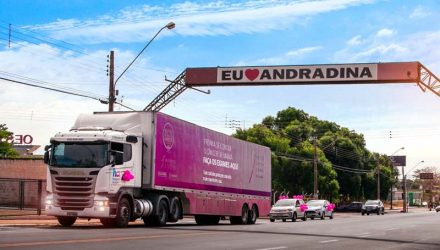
(122, 166)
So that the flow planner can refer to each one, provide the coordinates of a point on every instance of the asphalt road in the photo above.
(419, 230)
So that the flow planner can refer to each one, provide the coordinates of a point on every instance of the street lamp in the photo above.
(405, 208)
(112, 98)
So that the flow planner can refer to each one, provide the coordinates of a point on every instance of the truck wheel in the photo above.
(66, 221)
(312, 218)
(272, 220)
(175, 210)
(124, 213)
(107, 222)
(160, 218)
(253, 215)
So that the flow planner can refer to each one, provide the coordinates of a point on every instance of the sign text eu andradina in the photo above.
(279, 74)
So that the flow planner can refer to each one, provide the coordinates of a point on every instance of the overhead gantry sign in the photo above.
(304, 74)
(360, 73)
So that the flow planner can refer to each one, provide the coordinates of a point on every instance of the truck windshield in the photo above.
(79, 155)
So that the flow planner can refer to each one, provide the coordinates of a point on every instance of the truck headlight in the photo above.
(101, 203)
(49, 200)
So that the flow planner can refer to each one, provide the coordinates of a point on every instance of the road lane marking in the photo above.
(272, 248)
(363, 235)
(40, 243)
(328, 241)
(389, 229)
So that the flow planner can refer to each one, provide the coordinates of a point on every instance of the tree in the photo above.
(6, 149)
(345, 166)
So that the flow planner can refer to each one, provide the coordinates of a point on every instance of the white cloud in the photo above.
(419, 12)
(356, 40)
(418, 46)
(385, 33)
(192, 19)
(290, 57)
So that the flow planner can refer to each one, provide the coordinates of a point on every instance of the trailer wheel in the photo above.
(253, 215)
(124, 213)
(160, 218)
(241, 220)
(66, 221)
(175, 210)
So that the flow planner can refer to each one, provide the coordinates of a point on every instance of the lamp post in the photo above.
(112, 85)
(391, 186)
(405, 207)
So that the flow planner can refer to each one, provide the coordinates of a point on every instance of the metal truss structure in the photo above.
(427, 80)
(174, 89)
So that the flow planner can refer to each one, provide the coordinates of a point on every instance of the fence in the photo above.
(22, 194)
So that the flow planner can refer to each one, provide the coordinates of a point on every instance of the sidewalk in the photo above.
(10, 217)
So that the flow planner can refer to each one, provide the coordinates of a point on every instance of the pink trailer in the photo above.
(213, 174)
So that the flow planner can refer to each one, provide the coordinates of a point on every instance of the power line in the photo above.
(47, 88)
(47, 83)
(63, 91)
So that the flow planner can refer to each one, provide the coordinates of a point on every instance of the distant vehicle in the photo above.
(319, 209)
(288, 209)
(437, 208)
(355, 206)
(373, 206)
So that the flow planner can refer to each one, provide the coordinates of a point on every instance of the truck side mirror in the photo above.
(46, 157)
(46, 154)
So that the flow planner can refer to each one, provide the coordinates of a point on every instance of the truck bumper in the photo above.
(96, 211)
(90, 212)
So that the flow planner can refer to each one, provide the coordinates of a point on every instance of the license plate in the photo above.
(72, 214)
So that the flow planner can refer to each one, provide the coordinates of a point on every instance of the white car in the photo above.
(437, 209)
(288, 209)
(319, 209)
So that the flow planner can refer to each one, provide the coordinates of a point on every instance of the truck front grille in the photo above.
(73, 193)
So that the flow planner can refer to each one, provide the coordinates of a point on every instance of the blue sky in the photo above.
(65, 43)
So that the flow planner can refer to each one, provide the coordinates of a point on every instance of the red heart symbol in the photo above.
(252, 74)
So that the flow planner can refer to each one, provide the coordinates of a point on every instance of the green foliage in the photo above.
(290, 136)
(6, 149)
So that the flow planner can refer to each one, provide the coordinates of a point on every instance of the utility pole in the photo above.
(404, 189)
(315, 170)
(111, 86)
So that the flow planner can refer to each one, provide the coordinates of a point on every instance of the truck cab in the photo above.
(88, 169)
